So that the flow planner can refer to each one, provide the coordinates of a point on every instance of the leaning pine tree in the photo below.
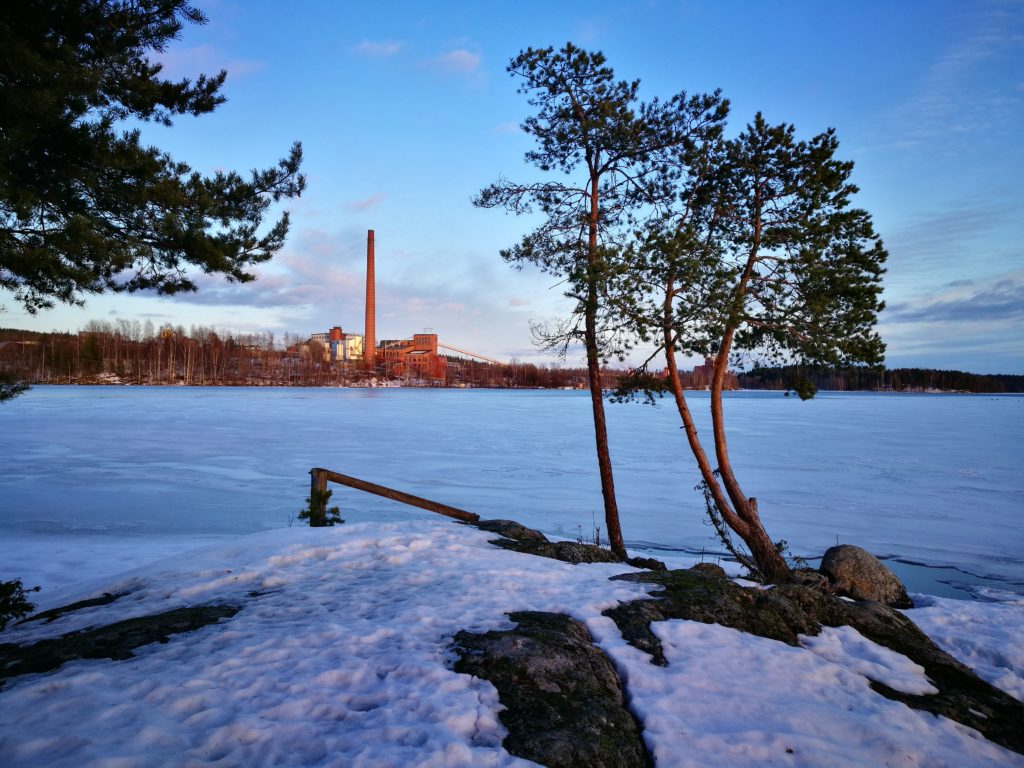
(761, 254)
(599, 146)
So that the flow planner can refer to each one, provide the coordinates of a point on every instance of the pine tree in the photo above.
(85, 207)
(760, 253)
(600, 146)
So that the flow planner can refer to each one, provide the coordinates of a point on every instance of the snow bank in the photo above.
(340, 658)
(986, 636)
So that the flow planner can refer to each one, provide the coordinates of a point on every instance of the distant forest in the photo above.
(129, 352)
(881, 380)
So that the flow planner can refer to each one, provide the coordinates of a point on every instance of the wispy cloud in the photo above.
(516, 301)
(934, 248)
(377, 49)
(999, 299)
(508, 127)
(458, 61)
(952, 98)
(367, 204)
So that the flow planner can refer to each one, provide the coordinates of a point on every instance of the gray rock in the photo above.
(647, 563)
(710, 569)
(856, 573)
(566, 551)
(563, 700)
(114, 641)
(808, 577)
(511, 529)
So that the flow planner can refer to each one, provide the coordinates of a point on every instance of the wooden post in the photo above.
(317, 498)
(321, 476)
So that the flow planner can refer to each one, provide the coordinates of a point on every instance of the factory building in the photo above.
(338, 346)
(415, 358)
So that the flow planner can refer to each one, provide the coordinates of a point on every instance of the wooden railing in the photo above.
(319, 478)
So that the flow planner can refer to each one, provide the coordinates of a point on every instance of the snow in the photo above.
(976, 633)
(731, 699)
(847, 647)
(343, 658)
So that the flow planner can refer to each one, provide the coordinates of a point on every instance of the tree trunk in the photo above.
(771, 564)
(706, 471)
(604, 460)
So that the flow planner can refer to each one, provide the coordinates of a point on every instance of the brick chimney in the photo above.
(370, 334)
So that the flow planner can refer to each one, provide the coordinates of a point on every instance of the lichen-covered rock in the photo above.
(563, 700)
(114, 641)
(647, 563)
(808, 577)
(710, 569)
(697, 596)
(856, 573)
(566, 551)
(511, 529)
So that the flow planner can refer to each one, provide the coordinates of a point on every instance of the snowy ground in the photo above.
(344, 661)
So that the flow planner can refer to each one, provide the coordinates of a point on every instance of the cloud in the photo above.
(367, 204)
(459, 61)
(319, 268)
(954, 99)
(971, 232)
(508, 127)
(377, 49)
(515, 301)
(1001, 299)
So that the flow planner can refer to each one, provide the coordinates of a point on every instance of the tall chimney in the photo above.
(370, 334)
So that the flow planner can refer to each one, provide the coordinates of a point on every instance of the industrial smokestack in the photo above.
(370, 334)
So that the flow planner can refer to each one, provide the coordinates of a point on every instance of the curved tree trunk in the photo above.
(769, 561)
(706, 470)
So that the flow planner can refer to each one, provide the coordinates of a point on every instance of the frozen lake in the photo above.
(99, 479)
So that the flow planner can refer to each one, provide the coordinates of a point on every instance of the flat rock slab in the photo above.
(564, 704)
(519, 538)
(114, 641)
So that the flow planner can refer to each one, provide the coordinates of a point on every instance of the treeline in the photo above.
(881, 380)
(129, 352)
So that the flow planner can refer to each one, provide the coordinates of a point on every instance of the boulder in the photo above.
(856, 573)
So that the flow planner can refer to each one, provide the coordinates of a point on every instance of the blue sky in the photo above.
(405, 111)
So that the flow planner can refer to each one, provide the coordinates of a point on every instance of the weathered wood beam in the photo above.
(320, 478)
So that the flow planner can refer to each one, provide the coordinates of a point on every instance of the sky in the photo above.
(405, 111)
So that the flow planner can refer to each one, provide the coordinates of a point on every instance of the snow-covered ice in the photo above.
(343, 659)
(934, 479)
